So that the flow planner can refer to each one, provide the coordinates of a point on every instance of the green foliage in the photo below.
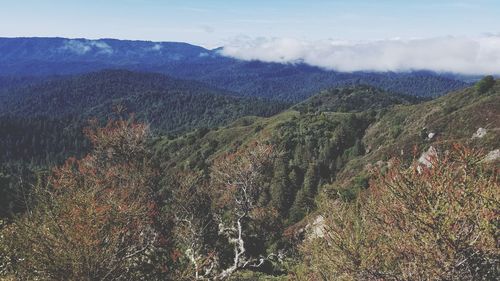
(281, 190)
(353, 99)
(326, 144)
(95, 218)
(436, 223)
(485, 84)
(41, 141)
(304, 201)
(42, 124)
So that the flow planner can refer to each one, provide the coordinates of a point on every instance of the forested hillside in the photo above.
(350, 126)
(44, 121)
(328, 148)
(353, 99)
(277, 197)
(45, 57)
(161, 100)
(432, 199)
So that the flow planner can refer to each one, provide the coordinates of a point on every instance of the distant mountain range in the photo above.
(25, 59)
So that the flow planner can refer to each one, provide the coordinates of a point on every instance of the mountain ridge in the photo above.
(285, 82)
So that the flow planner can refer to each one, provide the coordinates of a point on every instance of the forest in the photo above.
(34, 59)
(118, 175)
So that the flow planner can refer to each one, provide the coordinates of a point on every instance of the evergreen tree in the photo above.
(304, 201)
(281, 189)
(485, 84)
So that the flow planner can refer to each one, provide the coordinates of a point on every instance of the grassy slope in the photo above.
(332, 103)
(453, 118)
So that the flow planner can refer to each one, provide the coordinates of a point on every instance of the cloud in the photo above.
(76, 47)
(157, 47)
(81, 47)
(102, 47)
(480, 55)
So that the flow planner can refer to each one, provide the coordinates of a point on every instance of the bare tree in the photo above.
(237, 181)
(235, 184)
(194, 224)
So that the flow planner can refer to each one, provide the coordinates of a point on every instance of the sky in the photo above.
(253, 29)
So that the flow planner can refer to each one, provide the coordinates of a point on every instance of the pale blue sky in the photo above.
(213, 23)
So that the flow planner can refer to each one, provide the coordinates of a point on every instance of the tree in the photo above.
(281, 189)
(415, 223)
(304, 200)
(195, 227)
(237, 183)
(217, 215)
(94, 218)
(485, 84)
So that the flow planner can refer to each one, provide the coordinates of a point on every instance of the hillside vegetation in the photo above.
(44, 121)
(308, 193)
(329, 150)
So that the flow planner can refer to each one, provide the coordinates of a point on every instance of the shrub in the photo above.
(415, 223)
(485, 84)
(94, 219)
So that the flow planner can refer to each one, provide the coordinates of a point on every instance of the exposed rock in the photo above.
(368, 149)
(493, 156)
(426, 157)
(317, 228)
(390, 163)
(480, 133)
(430, 136)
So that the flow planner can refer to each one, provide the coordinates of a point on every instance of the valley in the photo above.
(325, 146)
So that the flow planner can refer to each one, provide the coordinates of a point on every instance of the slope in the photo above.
(285, 82)
(330, 141)
(169, 104)
(466, 117)
(314, 143)
(63, 107)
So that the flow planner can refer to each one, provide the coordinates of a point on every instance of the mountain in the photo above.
(325, 148)
(286, 82)
(327, 151)
(10, 82)
(66, 54)
(319, 137)
(161, 100)
(327, 144)
(43, 120)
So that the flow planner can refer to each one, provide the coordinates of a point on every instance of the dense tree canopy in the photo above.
(309, 193)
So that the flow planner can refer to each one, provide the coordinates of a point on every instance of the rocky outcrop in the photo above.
(493, 156)
(426, 157)
(480, 133)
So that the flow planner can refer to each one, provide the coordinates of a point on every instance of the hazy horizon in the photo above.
(459, 36)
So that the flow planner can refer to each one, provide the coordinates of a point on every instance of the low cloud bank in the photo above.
(82, 47)
(470, 56)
